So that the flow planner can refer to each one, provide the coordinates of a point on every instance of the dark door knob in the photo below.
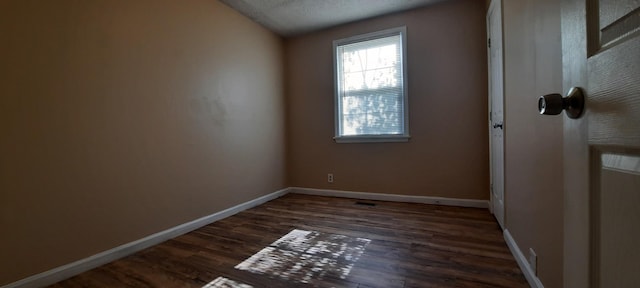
(553, 104)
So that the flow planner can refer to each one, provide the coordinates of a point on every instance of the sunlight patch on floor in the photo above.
(303, 256)
(222, 282)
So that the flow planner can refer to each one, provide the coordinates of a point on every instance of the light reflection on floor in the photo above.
(222, 282)
(302, 256)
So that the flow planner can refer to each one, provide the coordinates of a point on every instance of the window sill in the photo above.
(372, 139)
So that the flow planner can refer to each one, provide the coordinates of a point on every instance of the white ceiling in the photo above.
(295, 17)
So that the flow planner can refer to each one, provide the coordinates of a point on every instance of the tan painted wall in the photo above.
(533, 148)
(448, 153)
(119, 119)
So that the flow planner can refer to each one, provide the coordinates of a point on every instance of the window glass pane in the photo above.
(372, 113)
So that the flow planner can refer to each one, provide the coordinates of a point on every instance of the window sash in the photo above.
(389, 102)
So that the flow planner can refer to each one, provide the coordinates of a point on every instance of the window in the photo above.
(371, 91)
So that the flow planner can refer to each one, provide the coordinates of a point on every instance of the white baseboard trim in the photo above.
(69, 270)
(393, 197)
(533, 280)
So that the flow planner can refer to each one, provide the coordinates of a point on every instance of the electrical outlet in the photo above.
(533, 261)
(330, 178)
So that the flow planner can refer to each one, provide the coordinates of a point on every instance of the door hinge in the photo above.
(489, 42)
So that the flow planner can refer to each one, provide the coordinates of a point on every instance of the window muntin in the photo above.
(371, 98)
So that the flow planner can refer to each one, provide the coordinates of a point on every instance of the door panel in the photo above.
(617, 19)
(617, 230)
(613, 94)
(610, 11)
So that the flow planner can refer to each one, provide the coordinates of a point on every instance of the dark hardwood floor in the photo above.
(328, 242)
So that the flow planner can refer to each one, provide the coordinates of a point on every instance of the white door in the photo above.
(496, 104)
(601, 54)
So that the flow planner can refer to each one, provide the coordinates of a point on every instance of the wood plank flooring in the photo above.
(405, 245)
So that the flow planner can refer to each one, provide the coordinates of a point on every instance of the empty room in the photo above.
(300, 143)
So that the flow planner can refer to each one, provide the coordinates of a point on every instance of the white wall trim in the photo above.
(533, 280)
(393, 197)
(69, 270)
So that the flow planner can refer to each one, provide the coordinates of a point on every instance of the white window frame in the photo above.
(404, 137)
